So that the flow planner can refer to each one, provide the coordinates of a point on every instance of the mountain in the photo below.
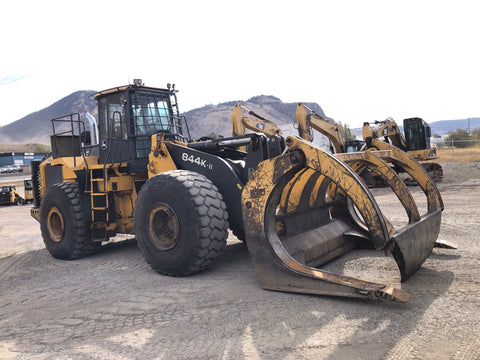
(443, 126)
(37, 128)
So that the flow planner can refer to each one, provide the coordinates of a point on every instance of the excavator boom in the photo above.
(308, 119)
(256, 123)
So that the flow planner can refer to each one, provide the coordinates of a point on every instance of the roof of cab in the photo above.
(123, 88)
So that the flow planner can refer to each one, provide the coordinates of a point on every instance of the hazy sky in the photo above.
(359, 60)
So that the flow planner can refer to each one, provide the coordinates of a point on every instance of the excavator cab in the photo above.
(354, 145)
(129, 116)
(417, 134)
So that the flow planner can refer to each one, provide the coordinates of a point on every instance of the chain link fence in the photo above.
(452, 150)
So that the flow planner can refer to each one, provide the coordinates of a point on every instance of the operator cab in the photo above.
(128, 117)
(354, 145)
(417, 134)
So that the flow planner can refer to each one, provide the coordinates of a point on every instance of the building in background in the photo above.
(19, 158)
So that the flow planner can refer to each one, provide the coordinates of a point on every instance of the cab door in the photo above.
(113, 133)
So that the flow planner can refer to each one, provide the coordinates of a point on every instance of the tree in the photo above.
(460, 135)
(348, 132)
(42, 148)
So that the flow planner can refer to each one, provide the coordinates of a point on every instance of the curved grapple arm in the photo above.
(307, 207)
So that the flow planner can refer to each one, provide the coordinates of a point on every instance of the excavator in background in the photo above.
(308, 120)
(257, 123)
(416, 141)
(296, 205)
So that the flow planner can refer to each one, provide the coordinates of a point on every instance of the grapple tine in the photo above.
(290, 233)
(413, 244)
(382, 169)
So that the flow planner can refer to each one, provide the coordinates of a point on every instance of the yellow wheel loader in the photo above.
(136, 171)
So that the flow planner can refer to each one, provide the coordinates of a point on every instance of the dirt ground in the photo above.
(112, 305)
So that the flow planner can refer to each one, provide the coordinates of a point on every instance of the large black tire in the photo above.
(180, 222)
(65, 231)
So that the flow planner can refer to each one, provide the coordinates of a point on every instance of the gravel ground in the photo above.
(112, 305)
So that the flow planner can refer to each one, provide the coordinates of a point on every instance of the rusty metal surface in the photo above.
(414, 243)
(298, 215)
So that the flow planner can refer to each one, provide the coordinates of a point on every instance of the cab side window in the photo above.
(112, 117)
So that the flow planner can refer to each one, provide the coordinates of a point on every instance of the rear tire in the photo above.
(180, 222)
(64, 228)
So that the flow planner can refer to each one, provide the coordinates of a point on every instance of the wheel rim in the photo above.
(55, 224)
(163, 226)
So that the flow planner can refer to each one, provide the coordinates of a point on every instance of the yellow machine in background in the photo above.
(257, 123)
(10, 196)
(307, 119)
(136, 171)
(416, 141)
(28, 189)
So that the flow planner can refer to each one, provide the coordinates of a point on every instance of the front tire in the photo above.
(180, 222)
(64, 228)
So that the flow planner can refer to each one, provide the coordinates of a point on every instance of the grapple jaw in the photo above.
(414, 243)
(307, 207)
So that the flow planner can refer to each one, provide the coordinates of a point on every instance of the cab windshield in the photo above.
(151, 113)
(416, 136)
